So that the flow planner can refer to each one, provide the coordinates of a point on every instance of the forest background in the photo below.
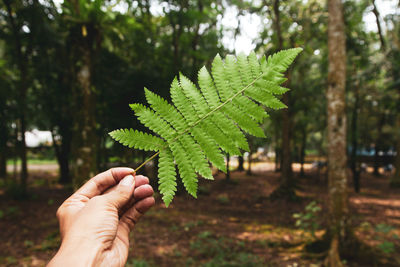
(71, 69)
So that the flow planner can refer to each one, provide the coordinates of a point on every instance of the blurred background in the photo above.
(69, 69)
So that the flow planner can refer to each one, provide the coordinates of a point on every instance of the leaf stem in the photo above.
(147, 160)
(201, 119)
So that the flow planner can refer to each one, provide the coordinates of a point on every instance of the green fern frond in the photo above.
(183, 161)
(139, 140)
(202, 122)
(167, 176)
(283, 59)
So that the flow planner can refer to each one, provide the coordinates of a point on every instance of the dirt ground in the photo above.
(232, 223)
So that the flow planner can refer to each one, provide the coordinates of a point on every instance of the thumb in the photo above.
(122, 193)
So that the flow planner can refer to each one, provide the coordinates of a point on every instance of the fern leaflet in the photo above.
(201, 124)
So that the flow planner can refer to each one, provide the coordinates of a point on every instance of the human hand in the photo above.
(96, 220)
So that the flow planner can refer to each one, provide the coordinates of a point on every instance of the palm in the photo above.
(90, 215)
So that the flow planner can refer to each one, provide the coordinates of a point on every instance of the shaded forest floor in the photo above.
(230, 224)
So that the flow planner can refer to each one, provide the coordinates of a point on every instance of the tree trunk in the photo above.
(3, 150)
(24, 162)
(376, 159)
(337, 178)
(249, 161)
(4, 135)
(378, 141)
(195, 42)
(22, 92)
(240, 164)
(63, 162)
(287, 183)
(84, 141)
(3, 165)
(277, 158)
(62, 152)
(354, 144)
(395, 179)
(277, 149)
(85, 41)
(228, 173)
(303, 152)
(287, 173)
(378, 24)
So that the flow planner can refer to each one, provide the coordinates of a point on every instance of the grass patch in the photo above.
(33, 161)
(210, 251)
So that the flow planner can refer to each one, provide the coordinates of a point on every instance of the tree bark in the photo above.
(337, 178)
(249, 161)
(303, 152)
(22, 93)
(240, 164)
(354, 143)
(3, 148)
(378, 24)
(378, 141)
(194, 44)
(24, 161)
(277, 157)
(3, 165)
(287, 184)
(286, 168)
(84, 141)
(228, 173)
(85, 41)
(395, 179)
(62, 152)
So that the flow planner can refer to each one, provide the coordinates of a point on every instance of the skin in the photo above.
(96, 220)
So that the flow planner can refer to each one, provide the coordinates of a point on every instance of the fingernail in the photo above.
(127, 181)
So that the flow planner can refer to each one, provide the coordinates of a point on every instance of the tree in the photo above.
(293, 25)
(287, 184)
(21, 34)
(394, 58)
(52, 68)
(85, 24)
(5, 117)
(337, 178)
(240, 164)
(359, 73)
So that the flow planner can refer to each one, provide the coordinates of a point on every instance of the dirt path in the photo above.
(230, 224)
(35, 167)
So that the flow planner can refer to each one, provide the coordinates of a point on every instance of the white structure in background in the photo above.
(36, 138)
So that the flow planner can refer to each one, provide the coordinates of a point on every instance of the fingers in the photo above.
(140, 192)
(101, 182)
(139, 181)
(130, 218)
(122, 193)
(132, 215)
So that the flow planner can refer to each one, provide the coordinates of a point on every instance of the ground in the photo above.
(232, 223)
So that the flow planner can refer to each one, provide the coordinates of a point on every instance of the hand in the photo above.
(96, 220)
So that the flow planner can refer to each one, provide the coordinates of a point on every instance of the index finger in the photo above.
(101, 182)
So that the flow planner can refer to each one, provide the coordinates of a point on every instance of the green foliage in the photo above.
(223, 199)
(385, 237)
(221, 252)
(384, 228)
(14, 190)
(201, 124)
(308, 220)
(51, 241)
(387, 247)
(138, 263)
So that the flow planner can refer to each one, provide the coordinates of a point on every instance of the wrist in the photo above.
(77, 253)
